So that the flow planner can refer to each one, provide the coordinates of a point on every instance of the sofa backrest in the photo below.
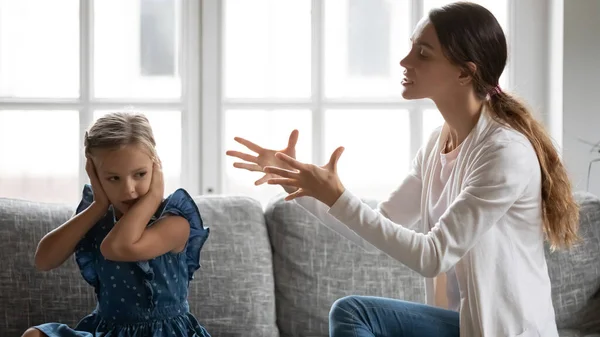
(231, 295)
(314, 266)
(575, 273)
(264, 278)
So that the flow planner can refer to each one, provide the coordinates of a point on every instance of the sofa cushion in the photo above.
(231, 295)
(28, 297)
(575, 273)
(314, 266)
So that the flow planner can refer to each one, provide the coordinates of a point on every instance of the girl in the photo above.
(486, 188)
(138, 251)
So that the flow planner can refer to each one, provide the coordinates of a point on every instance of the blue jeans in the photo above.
(362, 316)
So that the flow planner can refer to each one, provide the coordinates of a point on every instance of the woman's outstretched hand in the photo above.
(319, 182)
(264, 158)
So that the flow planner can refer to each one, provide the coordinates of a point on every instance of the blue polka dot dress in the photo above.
(145, 298)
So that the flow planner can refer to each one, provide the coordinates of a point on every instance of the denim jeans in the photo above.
(362, 316)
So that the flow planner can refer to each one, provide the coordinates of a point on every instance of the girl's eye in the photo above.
(141, 174)
(113, 178)
(421, 53)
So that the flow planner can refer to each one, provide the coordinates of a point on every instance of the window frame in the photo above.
(214, 104)
(189, 104)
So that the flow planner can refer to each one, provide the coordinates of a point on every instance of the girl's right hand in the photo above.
(266, 157)
(100, 197)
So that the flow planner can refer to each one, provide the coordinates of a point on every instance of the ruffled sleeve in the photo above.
(181, 203)
(85, 251)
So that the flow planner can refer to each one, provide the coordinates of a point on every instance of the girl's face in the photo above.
(428, 73)
(125, 174)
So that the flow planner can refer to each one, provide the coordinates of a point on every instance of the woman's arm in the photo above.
(497, 180)
(402, 206)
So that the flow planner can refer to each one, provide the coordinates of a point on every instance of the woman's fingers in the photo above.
(284, 182)
(281, 172)
(242, 156)
(335, 156)
(299, 193)
(293, 139)
(262, 180)
(247, 166)
(251, 146)
(290, 161)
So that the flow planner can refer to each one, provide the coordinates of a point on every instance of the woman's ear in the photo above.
(466, 74)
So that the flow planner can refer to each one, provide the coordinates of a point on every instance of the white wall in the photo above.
(581, 89)
(556, 69)
(528, 56)
(555, 38)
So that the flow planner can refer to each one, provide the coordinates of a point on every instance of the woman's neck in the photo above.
(461, 115)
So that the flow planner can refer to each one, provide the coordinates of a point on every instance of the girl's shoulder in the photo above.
(181, 203)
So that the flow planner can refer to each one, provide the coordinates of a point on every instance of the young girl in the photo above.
(138, 250)
(486, 188)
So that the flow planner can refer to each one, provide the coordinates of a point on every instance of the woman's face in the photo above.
(428, 73)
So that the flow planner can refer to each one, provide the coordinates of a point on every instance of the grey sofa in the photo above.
(271, 272)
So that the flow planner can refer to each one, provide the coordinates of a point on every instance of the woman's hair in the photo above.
(470, 33)
(118, 129)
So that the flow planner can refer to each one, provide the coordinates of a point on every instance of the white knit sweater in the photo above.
(491, 232)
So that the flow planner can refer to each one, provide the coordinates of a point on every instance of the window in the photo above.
(62, 66)
(329, 68)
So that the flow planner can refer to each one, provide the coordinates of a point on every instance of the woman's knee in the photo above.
(345, 306)
(33, 332)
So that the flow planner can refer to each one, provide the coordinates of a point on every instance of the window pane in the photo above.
(40, 155)
(136, 49)
(498, 7)
(267, 48)
(269, 129)
(39, 48)
(377, 149)
(432, 119)
(166, 126)
(364, 42)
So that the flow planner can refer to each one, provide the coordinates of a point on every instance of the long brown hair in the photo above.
(469, 33)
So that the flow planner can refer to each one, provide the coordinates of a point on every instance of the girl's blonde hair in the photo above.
(118, 129)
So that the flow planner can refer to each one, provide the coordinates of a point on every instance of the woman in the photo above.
(488, 188)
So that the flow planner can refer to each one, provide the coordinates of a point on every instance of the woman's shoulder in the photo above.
(504, 151)
(508, 141)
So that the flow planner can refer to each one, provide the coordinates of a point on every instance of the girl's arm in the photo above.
(131, 239)
(56, 246)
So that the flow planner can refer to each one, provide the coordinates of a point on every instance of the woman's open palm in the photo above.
(264, 157)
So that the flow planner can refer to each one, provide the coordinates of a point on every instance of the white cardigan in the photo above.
(492, 232)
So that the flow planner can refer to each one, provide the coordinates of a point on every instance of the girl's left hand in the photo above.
(319, 182)
(157, 185)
